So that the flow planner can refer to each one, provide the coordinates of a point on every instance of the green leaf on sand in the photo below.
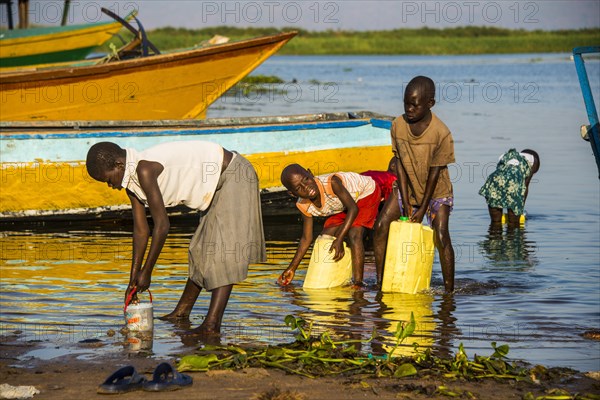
(406, 369)
(196, 363)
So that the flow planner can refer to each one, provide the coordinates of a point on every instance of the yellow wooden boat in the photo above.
(178, 85)
(43, 171)
(32, 46)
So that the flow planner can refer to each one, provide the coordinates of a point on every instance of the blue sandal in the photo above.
(167, 378)
(123, 380)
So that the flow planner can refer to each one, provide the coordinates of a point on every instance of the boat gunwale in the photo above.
(44, 33)
(8, 128)
(163, 60)
(217, 130)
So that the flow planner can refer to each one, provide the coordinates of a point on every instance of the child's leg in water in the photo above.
(186, 302)
(357, 247)
(495, 215)
(218, 302)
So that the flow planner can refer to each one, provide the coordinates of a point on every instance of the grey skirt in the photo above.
(230, 233)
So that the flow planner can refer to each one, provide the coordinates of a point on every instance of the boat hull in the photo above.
(53, 44)
(179, 85)
(43, 171)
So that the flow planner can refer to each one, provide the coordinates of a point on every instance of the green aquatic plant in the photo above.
(460, 366)
(314, 356)
(403, 332)
(261, 79)
(299, 324)
(308, 356)
(321, 355)
(561, 394)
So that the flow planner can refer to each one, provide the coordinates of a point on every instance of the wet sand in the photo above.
(71, 378)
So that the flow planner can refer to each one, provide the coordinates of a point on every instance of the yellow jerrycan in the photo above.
(408, 258)
(323, 272)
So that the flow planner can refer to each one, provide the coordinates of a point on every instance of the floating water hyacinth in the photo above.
(314, 356)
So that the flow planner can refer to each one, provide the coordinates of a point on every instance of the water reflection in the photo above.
(328, 308)
(342, 312)
(348, 314)
(446, 326)
(396, 308)
(509, 248)
(139, 342)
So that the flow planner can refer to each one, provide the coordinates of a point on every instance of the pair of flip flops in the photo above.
(127, 379)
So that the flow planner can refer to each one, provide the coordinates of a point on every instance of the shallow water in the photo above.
(536, 289)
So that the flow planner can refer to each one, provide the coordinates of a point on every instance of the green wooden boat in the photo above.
(54, 44)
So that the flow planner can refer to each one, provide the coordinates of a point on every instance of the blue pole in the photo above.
(588, 98)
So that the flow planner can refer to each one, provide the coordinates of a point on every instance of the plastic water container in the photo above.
(139, 317)
(408, 258)
(323, 272)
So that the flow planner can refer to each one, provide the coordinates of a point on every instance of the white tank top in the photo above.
(191, 172)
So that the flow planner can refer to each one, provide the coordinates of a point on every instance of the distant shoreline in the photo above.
(424, 41)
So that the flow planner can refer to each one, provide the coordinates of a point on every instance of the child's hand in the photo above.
(134, 298)
(418, 215)
(142, 281)
(338, 247)
(286, 277)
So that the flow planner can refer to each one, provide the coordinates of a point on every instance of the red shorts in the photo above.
(367, 212)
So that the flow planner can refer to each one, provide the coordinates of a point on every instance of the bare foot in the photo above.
(206, 329)
(175, 316)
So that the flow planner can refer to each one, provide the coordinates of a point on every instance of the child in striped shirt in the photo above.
(349, 200)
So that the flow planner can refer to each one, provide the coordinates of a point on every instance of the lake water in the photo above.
(536, 289)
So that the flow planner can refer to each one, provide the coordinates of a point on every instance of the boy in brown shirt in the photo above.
(423, 147)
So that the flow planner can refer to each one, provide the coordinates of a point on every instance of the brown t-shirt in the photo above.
(433, 148)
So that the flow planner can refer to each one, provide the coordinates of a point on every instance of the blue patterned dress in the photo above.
(505, 187)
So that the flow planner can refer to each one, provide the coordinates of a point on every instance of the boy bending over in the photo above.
(349, 200)
(203, 176)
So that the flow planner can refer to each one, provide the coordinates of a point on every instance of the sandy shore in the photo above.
(70, 378)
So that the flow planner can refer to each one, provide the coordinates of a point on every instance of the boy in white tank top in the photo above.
(203, 176)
